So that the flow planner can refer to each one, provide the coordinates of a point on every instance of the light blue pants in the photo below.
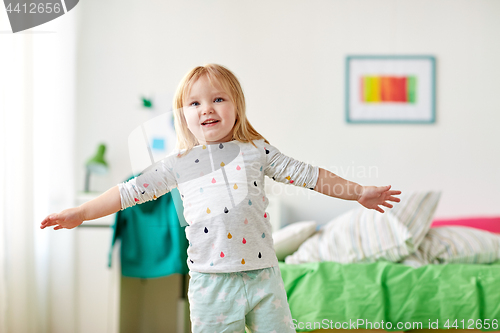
(227, 302)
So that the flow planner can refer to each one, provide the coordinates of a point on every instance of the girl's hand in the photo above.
(68, 218)
(372, 196)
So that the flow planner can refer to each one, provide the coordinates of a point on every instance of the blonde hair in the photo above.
(243, 131)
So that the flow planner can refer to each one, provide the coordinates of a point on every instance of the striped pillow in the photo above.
(414, 260)
(365, 235)
(459, 244)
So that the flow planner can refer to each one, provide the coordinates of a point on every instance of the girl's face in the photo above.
(205, 102)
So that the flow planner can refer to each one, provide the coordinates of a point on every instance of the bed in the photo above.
(401, 272)
(392, 293)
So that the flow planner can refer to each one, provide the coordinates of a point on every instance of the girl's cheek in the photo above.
(191, 120)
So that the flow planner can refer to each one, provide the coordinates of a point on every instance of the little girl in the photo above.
(219, 169)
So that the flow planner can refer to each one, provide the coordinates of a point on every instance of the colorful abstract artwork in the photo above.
(379, 89)
(390, 89)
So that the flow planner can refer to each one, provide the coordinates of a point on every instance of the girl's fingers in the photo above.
(48, 219)
(50, 223)
(384, 188)
(393, 199)
(387, 205)
(394, 192)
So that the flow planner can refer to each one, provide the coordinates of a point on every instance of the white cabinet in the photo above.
(97, 287)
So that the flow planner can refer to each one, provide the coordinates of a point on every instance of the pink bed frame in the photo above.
(491, 224)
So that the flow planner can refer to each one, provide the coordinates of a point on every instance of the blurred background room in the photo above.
(84, 80)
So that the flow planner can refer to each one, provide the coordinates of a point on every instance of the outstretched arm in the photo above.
(106, 204)
(369, 196)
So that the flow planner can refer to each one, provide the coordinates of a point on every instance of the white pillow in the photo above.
(288, 239)
(459, 244)
(365, 235)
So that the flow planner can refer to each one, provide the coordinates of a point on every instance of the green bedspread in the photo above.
(329, 294)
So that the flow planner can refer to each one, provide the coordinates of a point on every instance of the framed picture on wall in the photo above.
(390, 89)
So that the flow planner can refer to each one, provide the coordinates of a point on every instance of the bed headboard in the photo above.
(491, 224)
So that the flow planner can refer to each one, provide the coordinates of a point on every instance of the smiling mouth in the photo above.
(210, 123)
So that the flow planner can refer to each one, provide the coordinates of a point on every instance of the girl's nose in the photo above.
(208, 109)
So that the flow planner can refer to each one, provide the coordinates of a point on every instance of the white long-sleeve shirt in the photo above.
(222, 188)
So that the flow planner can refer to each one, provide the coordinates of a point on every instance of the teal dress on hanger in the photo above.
(153, 243)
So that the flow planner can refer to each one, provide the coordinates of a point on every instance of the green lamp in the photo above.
(96, 165)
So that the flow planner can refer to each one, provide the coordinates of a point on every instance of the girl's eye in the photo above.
(214, 100)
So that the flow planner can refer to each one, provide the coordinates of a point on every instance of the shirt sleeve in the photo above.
(157, 180)
(285, 169)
